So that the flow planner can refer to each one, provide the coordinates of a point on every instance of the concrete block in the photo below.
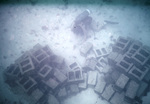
(101, 52)
(142, 88)
(48, 50)
(147, 77)
(92, 78)
(121, 83)
(58, 61)
(108, 92)
(118, 98)
(115, 75)
(45, 72)
(100, 85)
(102, 65)
(141, 57)
(138, 73)
(52, 99)
(90, 64)
(13, 72)
(26, 65)
(111, 58)
(51, 83)
(83, 85)
(60, 76)
(75, 76)
(74, 66)
(27, 83)
(37, 94)
(131, 91)
(72, 89)
(62, 93)
(122, 44)
(85, 48)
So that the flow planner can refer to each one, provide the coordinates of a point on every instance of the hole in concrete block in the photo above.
(104, 50)
(24, 62)
(120, 45)
(98, 52)
(41, 57)
(123, 40)
(23, 80)
(136, 47)
(98, 65)
(17, 70)
(137, 73)
(78, 74)
(73, 65)
(139, 57)
(144, 53)
(127, 59)
(26, 68)
(44, 70)
(132, 51)
(124, 64)
(103, 62)
(71, 76)
(28, 84)
(36, 53)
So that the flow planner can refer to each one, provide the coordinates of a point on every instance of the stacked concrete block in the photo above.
(100, 85)
(27, 83)
(102, 65)
(125, 64)
(72, 89)
(90, 64)
(121, 83)
(138, 73)
(135, 46)
(37, 94)
(108, 92)
(60, 76)
(75, 75)
(45, 72)
(13, 72)
(122, 44)
(131, 91)
(26, 66)
(117, 98)
(83, 85)
(92, 78)
(142, 89)
(101, 52)
(85, 48)
(141, 57)
(62, 93)
(51, 83)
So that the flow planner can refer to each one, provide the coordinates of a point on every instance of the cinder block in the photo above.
(37, 94)
(92, 78)
(72, 89)
(85, 48)
(13, 72)
(138, 73)
(51, 83)
(100, 85)
(90, 64)
(102, 65)
(135, 46)
(101, 52)
(122, 44)
(52, 99)
(48, 50)
(83, 85)
(62, 93)
(142, 89)
(108, 92)
(75, 76)
(27, 83)
(121, 83)
(45, 72)
(60, 76)
(74, 66)
(118, 98)
(26, 66)
(111, 58)
(131, 91)
(115, 75)
(58, 62)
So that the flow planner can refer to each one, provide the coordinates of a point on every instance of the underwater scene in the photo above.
(75, 52)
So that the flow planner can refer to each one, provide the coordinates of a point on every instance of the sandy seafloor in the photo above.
(22, 26)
